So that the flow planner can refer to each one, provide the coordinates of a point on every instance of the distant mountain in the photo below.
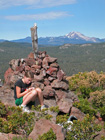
(2, 40)
(72, 38)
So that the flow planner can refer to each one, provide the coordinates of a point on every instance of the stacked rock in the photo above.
(47, 75)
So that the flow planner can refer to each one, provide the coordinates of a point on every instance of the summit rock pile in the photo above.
(47, 75)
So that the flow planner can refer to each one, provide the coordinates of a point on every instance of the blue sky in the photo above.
(53, 17)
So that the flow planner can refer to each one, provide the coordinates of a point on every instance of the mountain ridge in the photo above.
(72, 37)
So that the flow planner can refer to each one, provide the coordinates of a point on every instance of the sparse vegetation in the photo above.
(50, 135)
(83, 130)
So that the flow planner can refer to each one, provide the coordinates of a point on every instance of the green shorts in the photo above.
(19, 101)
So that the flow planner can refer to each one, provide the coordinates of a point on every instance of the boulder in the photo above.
(50, 78)
(45, 63)
(40, 129)
(51, 59)
(48, 92)
(77, 113)
(38, 78)
(72, 96)
(51, 70)
(37, 84)
(31, 55)
(27, 68)
(65, 105)
(14, 63)
(54, 65)
(46, 82)
(42, 54)
(60, 85)
(60, 75)
(9, 136)
(30, 62)
(36, 67)
(13, 79)
(60, 94)
(7, 95)
(7, 75)
(20, 68)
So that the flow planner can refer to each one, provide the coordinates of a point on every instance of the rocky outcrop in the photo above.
(47, 75)
(43, 126)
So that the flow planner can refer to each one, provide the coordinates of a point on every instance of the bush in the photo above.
(85, 91)
(62, 118)
(84, 106)
(3, 110)
(83, 130)
(98, 99)
(16, 121)
(102, 112)
(50, 135)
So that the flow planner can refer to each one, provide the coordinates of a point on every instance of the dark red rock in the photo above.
(60, 94)
(51, 59)
(4, 136)
(36, 67)
(27, 68)
(30, 62)
(7, 75)
(60, 74)
(31, 55)
(40, 129)
(38, 78)
(46, 82)
(51, 70)
(42, 54)
(43, 72)
(59, 85)
(50, 78)
(65, 105)
(20, 68)
(14, 63)
(37, 84)
(54, 65)
(77, 113)
(48, 92)
(45, 63)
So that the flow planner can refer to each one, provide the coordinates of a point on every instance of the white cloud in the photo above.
(44, 16)
(34, 3)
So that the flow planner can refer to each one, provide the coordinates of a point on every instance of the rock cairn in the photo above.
(47, 75)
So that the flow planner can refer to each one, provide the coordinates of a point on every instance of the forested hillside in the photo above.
(72, 58)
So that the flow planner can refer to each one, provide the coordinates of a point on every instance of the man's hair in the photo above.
(29, 74)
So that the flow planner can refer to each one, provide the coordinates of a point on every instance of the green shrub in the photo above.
(62, 118)
(54, 109)
(20, 138)
(85, 91)
(84, 106)
(16, 121)
(102, 138)
(83, 130)
(98, 99)
(50, 135)
(3, 110)
(102, 112)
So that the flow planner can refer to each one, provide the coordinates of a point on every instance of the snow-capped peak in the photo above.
(77, 35)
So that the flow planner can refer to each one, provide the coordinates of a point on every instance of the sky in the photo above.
(53, 17)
